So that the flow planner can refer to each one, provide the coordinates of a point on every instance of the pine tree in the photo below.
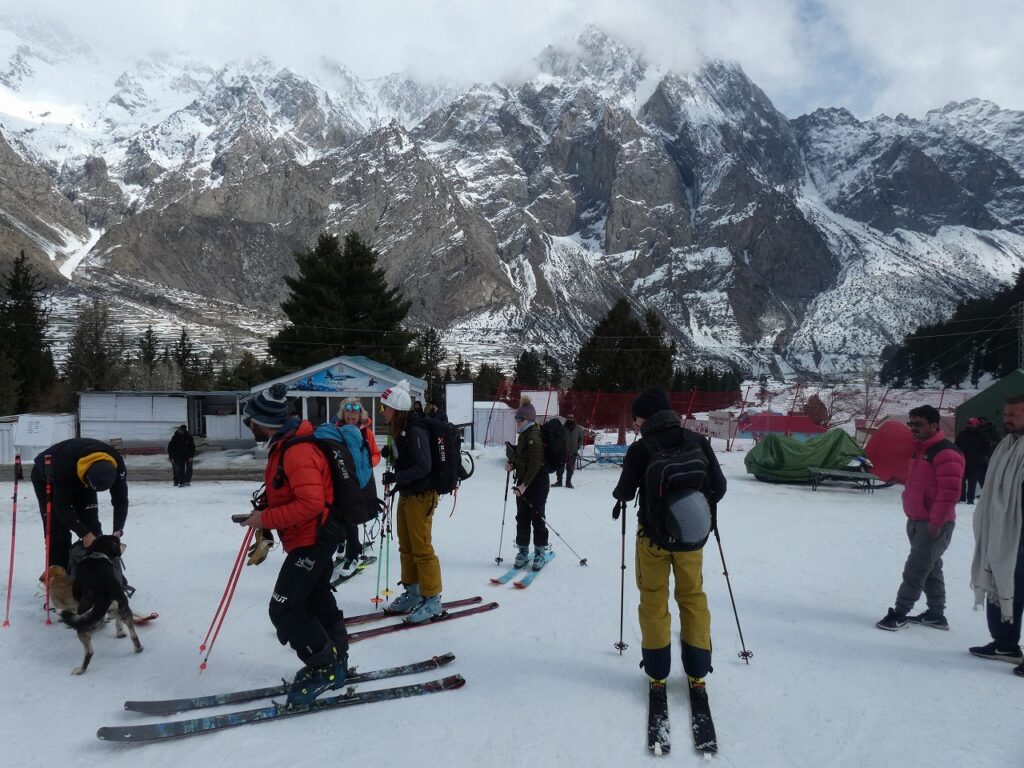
(625, 355)
(432, 353)
(8, 386)
(148, 357)
(462, 370)
(529, 370)
(553, 373)
(340, 304)
(23, 341)
(487, 381)
(98, 353)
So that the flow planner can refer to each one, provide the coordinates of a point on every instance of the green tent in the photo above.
(781, 459)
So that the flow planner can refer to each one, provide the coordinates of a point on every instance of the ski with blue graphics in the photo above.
(527, 580)
(176, 729)
(510, 574)
(171, 706)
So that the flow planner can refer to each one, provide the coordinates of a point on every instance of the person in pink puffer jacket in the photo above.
(929, 501)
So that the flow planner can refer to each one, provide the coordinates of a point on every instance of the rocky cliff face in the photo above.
(519, 211)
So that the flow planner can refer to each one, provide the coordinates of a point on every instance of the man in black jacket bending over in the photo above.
(79, 467)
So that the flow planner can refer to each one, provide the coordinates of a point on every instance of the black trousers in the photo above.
(84, 503)
(353, 544)
(302, 607)
(569, 467)
(530, 512)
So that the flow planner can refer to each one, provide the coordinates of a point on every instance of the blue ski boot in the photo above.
(523, 557)
(429, 608)
(540, 557)
(319, 674)
(406, 601)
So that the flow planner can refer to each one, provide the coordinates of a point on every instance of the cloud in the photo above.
(869, 56)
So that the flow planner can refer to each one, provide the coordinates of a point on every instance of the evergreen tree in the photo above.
(487, 381)
(97, 354)
(9, 389)
(529, 370)
(462, 370)
(148, 357)
(553, 372)
(625, 355)
(432, 353)
(340, 304)
(23, 334)
(246, 372)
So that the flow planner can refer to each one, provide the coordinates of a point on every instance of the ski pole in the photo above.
(384, 553)
(533, 511)
(14, 526)
(499, 559)
(233, 583)
(236, 570)
(622, 645)
(48, 466)
(744, 654)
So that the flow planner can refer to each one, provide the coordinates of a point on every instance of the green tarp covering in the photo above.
(782, 459)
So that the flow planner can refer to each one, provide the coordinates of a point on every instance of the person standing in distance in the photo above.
(180, 450)
(79, 467)
(573, 444)
(408, 452)
(352, 413)
(531, 489)
(297, 504)
(997, 569)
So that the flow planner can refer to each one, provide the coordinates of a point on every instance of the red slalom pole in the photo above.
(236, 571)
(14, 528)
(231, 595)
(48, 466)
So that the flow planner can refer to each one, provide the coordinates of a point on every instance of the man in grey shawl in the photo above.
(997, 572)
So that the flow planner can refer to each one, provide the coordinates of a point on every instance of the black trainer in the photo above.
(993, 651)
(892, 621)
(930, 619)
(1019, 670)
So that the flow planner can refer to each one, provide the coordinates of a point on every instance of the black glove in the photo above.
(388, 478)
(385, 452)
(714, 516)
(510, 453)
(617, 510)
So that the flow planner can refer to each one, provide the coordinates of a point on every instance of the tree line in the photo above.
(338, 303)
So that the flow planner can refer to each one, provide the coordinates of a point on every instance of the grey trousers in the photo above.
(923, 570)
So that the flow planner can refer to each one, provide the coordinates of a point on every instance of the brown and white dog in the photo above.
(93, 592)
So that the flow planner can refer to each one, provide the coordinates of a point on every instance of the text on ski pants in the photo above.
(302, 605)
(654, 566)
(415, 521)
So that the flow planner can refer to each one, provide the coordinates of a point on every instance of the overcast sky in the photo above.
(870, 56)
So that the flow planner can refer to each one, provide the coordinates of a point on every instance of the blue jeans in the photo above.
(1007, 633)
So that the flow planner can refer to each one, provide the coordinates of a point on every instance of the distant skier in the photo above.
(531, 489)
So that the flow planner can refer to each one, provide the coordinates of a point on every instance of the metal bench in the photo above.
(863, 480)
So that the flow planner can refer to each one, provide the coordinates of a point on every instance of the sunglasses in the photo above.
(913, 424)
(353, 407)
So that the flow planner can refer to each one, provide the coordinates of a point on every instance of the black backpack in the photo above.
(552, 434)
(446, 470)
(677, 514)
(352, 505)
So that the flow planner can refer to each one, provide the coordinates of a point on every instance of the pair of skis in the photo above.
(658, 731)
(527, 580)
(179, 728)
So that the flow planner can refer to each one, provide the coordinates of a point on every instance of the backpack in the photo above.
(446, 471)
(353, 504)
(552, 433)
(677, 514)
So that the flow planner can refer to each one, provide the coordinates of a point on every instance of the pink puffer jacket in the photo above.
(933, 487)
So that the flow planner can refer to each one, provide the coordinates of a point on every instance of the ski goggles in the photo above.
(352, 407)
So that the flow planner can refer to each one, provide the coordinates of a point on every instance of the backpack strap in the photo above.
(942, 445)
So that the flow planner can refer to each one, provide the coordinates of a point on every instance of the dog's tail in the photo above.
(93, 616)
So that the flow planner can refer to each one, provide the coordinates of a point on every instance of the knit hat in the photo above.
(101, 476)
(649, 402)
(526, 411)
(269, 408)
(397, 397)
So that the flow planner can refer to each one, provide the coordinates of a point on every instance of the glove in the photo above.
(618, 509)
(510, 453)
(261, 547)
(388, 478)
(385, 452)
(519, 490)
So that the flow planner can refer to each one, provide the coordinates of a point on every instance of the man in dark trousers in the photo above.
(976, 448)
(573, 444)
(79, 467)
(181, 450)
(299, 492)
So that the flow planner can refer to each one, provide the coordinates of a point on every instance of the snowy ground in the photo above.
(811, 571)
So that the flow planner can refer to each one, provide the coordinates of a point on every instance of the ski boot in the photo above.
(428, 608)
(406, 601)
(540, 557)
(319, 674)
(522, 557)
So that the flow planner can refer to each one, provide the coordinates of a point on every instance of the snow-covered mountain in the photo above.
(508, 212)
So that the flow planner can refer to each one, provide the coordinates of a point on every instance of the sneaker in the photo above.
(1019, 670)
(522, 557)
(992, 651)
(540, 557)
(348, 566)
(406, 601)
(428, 608)
(892, 621)
(569, 485)
(557, 484)
(319, 674)
(930, 619)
